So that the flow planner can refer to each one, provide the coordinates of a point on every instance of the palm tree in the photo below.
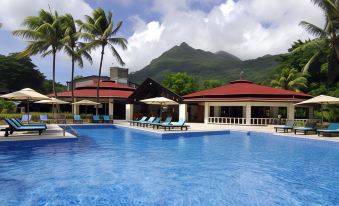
(73, 47)
(99, 32)
(45, 35)
(290, 79)
(325, 38)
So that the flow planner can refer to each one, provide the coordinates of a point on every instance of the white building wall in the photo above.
(111, 106)
(129, 111)
(183, 111)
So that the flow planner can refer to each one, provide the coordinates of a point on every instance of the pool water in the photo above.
(118, 166)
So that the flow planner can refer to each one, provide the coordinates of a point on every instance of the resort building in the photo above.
(244, 102)
(150, 89)
(113, 93)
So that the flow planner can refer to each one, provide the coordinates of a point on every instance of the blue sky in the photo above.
(247, 28)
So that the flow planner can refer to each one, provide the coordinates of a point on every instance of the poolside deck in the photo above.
(200, 127)
(53, 132)
(56, 132)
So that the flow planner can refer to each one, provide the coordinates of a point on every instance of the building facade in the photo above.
(246, 103)
(113, 93)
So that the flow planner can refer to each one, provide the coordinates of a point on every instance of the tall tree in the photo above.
(73, 46)
(325, 38)
(180, 83)
(290, 79)
(99, 32)
(45, 35)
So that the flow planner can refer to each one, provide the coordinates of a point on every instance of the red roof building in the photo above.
(244, 102)
(108, 89)
(112, 96)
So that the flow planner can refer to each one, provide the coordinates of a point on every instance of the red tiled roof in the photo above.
(244, 100)
(93, 93)
(243, 89)
(106, 84)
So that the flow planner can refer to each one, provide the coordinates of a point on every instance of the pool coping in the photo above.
(166, 134)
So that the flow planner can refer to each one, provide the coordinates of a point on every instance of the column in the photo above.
(207, 112)
(110, 107)
(290, 112)
(129, 111)
(248, 114)
(183, 111)
(75, 107)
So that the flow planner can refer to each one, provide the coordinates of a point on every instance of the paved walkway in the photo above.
(53, 132)
(199, 127)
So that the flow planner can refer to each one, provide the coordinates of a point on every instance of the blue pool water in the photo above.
(118, 166)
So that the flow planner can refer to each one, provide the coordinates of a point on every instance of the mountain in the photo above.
(206, 65)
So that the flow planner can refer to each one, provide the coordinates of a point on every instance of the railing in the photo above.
(267, 121)
(256, 121)
(70, 127)
(227, 120)
(303, 121)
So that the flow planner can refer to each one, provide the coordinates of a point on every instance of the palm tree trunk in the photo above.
(334, 42)
(99, 76)
(72, 84)
(53, 82)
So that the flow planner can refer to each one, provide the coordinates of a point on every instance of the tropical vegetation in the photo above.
(46, 37)
(73, 47)
(100, 31)
(290, 79)
(22, 73)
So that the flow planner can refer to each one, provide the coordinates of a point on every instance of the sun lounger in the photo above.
(77, 119)
(44, 118)
(107, 119)
(288, 126)
(26, 118)
(19, 123)
(166, 122)
(180, 124)
(333, 128)
(13, 127)
(150, 120)
(309, 127)
(96, 118)
(132, 122)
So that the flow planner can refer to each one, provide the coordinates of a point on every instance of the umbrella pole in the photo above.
(28, 110)
(322, 115)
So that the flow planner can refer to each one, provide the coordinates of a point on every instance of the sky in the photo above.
(245, 28)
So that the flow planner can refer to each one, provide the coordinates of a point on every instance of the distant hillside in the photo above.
(206, 65)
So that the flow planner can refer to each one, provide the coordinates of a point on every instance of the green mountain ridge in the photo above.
(207, 65)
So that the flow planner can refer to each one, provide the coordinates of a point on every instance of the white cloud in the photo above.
(13, 12)
(246, 28)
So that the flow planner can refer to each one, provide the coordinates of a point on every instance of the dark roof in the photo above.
(244, 90)
(149, 89)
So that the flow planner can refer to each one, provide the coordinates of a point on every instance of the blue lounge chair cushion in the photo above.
(19, 123)
(106, 118)
(332, 127)
(44, 117)
(181, 122)
(77, 117)
(96, 118)
(26, 117)
(304, 128)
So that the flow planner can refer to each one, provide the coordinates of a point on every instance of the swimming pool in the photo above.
(110, 165)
